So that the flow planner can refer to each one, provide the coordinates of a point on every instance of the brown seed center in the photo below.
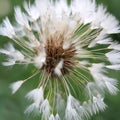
(55, 53)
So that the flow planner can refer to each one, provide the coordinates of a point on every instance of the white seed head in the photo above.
(51, 117)
(58, 68)
(111, 85)
(114, 67)
(16, 85)
(14, 55)
(115, 46)
(45, 109)
(71, 109)
(57, 117)
(7, 29)
(113, 56)
(21, 18)
(32, 11)
(98, 104)
(40, 59)
(70, 50)
(31, 109)
(10, 62)
(36, 95)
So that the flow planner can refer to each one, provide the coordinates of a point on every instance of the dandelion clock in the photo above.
(72, 53)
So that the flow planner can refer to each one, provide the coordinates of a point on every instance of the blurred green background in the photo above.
(12, 106)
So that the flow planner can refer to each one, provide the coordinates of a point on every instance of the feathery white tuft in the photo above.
(115, 46)
(40, 59)
(113, 56)
(51, 117)
(87, 105)
(7, 29)
(111, 85)
(84, 14)
(58, 68)
(16, 85)
(110, 24)
(43, 6)
(36, 95)
(92, 89)
(32, 109)
(102, 81)
(32, 11)
(45, 109)
(114, 67)
(106, 41)
(98, 104)
(14, 55)
(21, 18)
(96, 71)
(83, 112)
(10, 62)
(71, 109)
(57, 117)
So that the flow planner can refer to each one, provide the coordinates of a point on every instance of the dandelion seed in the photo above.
(32, 109)
(71, 109)
(57, 117)
(114, 67)
(52, 117)
(7, 29)
(36, 95)
(16, 85)
(70, 48)
(32, 10)
(40, 59)
(58, 68)
(98, 104)
(45, 109)
(114, 57)
(21, 18)
(14, 55)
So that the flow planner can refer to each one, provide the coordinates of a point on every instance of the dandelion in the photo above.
(70, 48)
(16, 85)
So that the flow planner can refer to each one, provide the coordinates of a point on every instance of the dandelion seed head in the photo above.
(58, 61)
(70, 48)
